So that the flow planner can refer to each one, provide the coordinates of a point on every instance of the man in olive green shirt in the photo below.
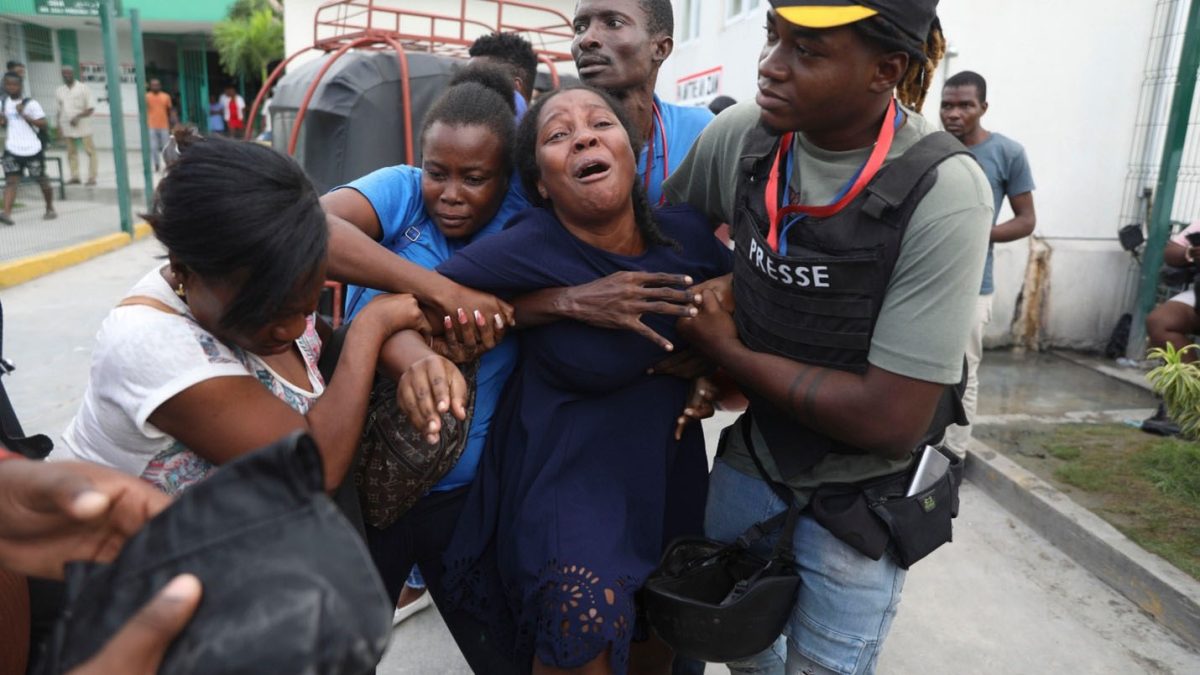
(923, 324)
(829, 73)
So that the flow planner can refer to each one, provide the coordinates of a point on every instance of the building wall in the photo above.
(150, 10)
(158, 17)
(1070, 96)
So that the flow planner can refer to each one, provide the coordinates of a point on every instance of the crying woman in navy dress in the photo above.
(582, 482)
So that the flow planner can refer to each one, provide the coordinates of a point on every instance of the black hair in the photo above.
(660, 17)
(241, 212)
(923, 57)
(969, 78)
(12, 65)
(512, 50)
(11, 75)
(478, 95)
(525, 160)
(720, 103)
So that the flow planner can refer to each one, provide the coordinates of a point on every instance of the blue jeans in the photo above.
(158, 141)
(846, 601)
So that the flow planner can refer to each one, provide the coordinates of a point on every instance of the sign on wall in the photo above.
(698, 88)
(67, 7)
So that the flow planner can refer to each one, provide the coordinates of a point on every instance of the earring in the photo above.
(180, 292)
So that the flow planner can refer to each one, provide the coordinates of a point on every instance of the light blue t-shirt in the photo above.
(682, 126)
(1007, 170)
(395, 194)
(520, 104)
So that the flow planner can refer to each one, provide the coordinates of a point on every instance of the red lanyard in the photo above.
(774, 214)
(662, 129)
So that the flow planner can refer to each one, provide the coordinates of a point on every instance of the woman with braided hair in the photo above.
(860, 236)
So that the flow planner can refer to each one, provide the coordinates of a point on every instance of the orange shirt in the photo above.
(158, 107)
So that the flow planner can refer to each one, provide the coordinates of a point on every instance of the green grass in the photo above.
(1174, 470)
(1090, 478)
(1065, 452)
(1145, 486)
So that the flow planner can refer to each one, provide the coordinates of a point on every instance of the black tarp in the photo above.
(355, 121)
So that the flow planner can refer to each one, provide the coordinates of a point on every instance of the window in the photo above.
(737, 9)
(691, 20)
(39, 46)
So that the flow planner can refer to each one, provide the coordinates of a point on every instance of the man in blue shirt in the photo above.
(964, 102)
(619, 46)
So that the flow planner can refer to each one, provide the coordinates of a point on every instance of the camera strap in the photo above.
(787, 519)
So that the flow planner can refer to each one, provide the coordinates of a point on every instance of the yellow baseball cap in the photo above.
(913, 17)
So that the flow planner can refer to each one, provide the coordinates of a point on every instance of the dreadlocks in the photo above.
(923, 58)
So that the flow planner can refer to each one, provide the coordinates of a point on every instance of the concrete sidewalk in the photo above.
(86, 213)
(1000, 599)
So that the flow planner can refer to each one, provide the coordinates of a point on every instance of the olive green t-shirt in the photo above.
(929, 308)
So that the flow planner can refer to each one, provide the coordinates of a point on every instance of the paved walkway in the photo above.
(1000, 599)
(86, 213)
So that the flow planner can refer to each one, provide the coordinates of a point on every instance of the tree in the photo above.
(249, 38)
(244, 9)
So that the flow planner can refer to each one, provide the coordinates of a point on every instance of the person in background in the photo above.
(1175, 321)
(619, 47)
(964, 103)
(75, 108)
(23, 119)
(216, 116)
(720, 103)
(513, 53)
(266, 136)
(234, 110)
(15, 67)
(160, 112)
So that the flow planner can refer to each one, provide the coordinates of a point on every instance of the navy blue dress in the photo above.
(582, 483)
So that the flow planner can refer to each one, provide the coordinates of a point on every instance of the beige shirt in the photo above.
(72, 101)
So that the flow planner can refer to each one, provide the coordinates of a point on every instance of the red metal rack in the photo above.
(342, 25)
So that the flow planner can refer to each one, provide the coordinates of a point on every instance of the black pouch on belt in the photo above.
(877, 516)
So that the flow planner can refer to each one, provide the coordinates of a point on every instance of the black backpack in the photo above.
(43, 132)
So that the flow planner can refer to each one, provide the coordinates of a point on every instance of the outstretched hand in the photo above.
(619, 300)
(55, 512)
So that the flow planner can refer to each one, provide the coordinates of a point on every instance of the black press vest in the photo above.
(818, 304)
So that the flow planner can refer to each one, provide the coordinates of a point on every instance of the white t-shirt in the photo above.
(22, 139)
(143, 357)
